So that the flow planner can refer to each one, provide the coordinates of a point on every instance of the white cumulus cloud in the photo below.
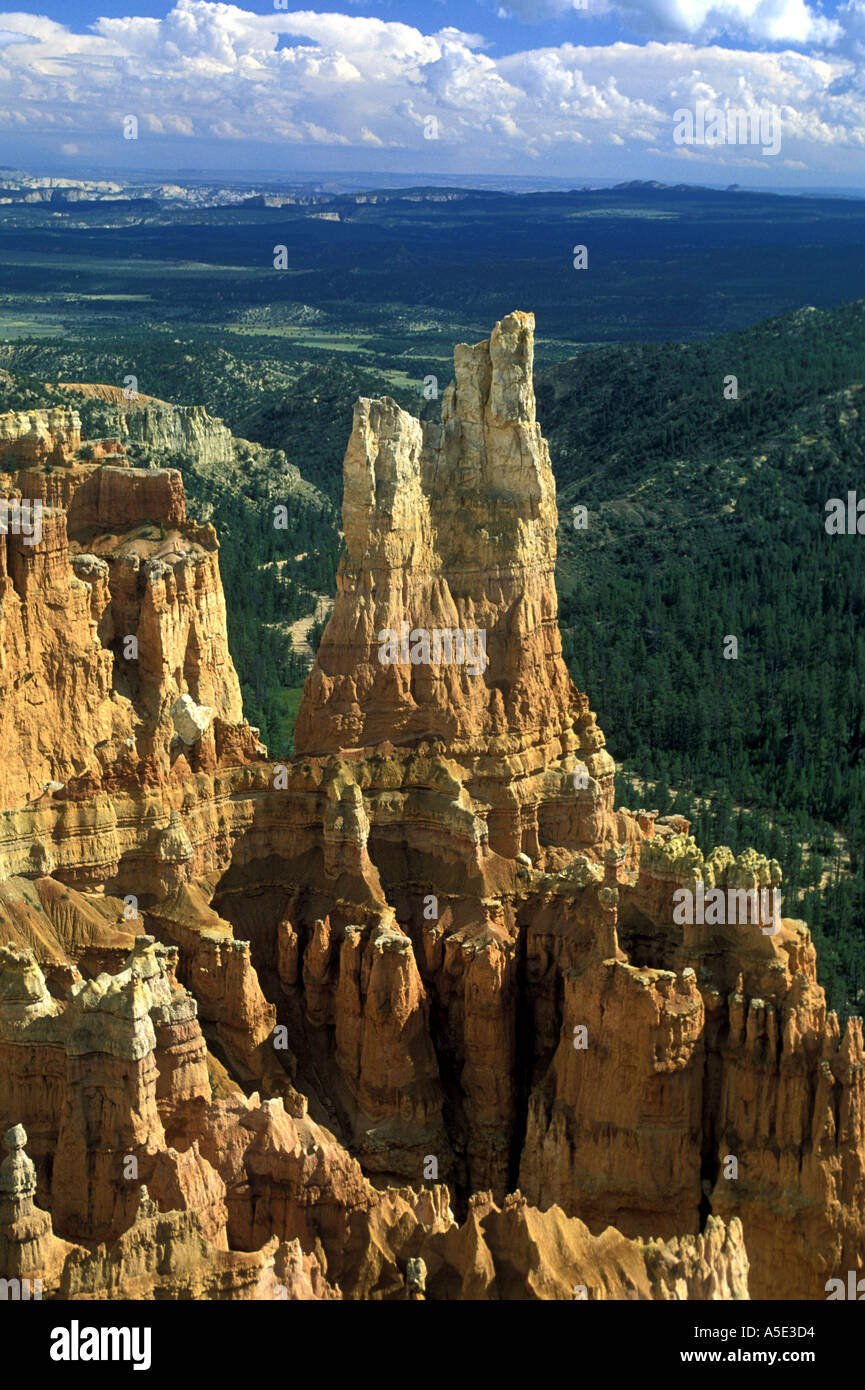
(220, 72)
(762, 21)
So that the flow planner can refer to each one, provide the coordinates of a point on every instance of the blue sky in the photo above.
(761, 92)
(534, 23)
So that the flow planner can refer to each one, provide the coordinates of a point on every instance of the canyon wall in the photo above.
(112, 618)
(162, 426)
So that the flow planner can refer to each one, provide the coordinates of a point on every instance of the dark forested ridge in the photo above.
(706, 521)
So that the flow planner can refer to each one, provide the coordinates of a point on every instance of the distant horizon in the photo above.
(767, 95)
(368, 180)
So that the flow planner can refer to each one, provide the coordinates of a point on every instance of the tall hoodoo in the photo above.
(451, 528)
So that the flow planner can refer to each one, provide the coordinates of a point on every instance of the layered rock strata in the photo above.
(111, 615)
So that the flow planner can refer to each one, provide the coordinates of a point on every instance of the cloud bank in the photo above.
(761, 21)
(219, 72)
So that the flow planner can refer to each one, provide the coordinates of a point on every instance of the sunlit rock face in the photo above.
(416, 1013)
(444, 626)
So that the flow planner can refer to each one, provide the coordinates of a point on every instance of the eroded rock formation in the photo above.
(414, 1015)
(111, 614)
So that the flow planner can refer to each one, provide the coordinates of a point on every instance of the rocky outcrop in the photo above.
(30, 1253)
(441, 956)
(587, 1141)
(162, 426)
(519, 1252)
(166, 1255)
(111, 617)
(218, 969)
(161, 1255)
(444, 625)
(30, 438)
(51, 725)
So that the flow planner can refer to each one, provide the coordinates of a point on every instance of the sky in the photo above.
(768, 93)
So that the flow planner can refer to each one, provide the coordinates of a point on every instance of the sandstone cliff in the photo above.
(111, 613)
(162, 426)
